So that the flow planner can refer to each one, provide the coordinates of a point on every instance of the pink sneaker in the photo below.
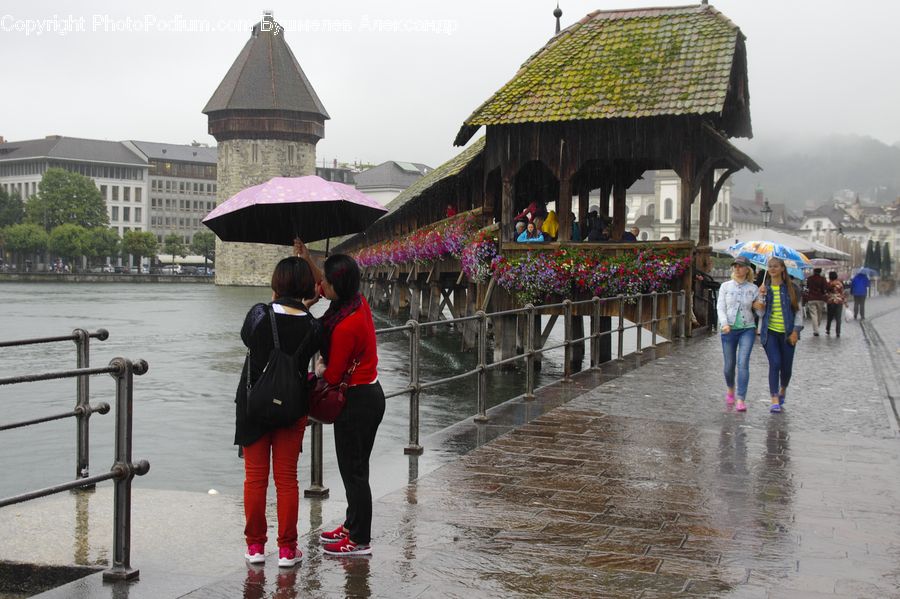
(741, 406)
(729, 398)
(288, 556)
(256, 553)
(333, 536)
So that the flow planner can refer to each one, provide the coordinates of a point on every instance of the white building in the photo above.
(118, 171)
(385, 181)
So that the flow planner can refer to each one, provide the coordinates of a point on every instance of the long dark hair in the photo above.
(343, 274)
(787, 282)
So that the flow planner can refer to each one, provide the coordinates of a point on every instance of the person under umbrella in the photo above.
(778, 306)
(734, 307)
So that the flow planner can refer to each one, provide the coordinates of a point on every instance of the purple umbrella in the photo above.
(284, 208)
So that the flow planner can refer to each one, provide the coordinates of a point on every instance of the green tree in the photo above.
(100, 242)
(204, 244)
(886, 261)
(173, 243)
(66, 198)
(12, 209)
(25, 239)
(66, 242)
(139, 244)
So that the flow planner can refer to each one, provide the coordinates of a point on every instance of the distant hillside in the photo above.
(797, 173)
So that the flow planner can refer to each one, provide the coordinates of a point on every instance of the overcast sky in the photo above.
(399, 77)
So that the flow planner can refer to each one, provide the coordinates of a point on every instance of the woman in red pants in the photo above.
(293, 288)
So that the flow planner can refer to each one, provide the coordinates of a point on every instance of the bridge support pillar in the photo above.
(504, 339)
(577, 346)
(601, 348)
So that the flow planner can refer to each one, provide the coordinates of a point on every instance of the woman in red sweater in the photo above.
(349, 336)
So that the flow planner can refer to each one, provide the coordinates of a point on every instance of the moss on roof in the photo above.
(613, 64)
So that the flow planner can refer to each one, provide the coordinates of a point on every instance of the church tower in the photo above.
(267, 119)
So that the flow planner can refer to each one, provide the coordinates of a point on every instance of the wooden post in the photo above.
(508, 210)
(470, 328)
(707, 203)
(605, 189)
(577, 346)
(504, 339)
(686, 172)
(564, 208)
(620, 212)
(415, 301)
(584, 196)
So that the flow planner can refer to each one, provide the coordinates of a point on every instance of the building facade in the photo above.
(385, 181)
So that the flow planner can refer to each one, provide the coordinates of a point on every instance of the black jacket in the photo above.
(257, 336)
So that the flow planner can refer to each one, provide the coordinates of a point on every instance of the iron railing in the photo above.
(123, 469)
(675, 318)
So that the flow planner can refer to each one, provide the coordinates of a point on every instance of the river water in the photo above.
(184, 410)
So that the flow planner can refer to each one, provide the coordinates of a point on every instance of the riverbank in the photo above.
(100, 277)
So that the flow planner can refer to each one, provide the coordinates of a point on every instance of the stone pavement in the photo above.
(646, 486)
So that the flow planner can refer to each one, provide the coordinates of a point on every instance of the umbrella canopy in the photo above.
(865, 270)
(759, 252)
(810, 248)
(822, 263)
(285, 208)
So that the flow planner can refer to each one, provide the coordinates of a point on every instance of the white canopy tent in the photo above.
(810, 248)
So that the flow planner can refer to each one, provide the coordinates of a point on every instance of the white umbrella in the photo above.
(806, 246)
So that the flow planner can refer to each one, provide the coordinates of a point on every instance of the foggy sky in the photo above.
(395, 92)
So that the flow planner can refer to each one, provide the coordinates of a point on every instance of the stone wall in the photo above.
(252, 263)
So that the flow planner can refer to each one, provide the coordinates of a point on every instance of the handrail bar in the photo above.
(66, 486)
(101, 407)
(101, 334)
(62, 374)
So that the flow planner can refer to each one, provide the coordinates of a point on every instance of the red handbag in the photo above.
(327, 401)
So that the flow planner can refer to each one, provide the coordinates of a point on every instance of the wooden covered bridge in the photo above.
(612, 96)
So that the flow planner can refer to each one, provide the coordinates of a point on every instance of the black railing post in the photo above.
(317, 486)
(481, 390)
(529, 352)
(82, 406)
(621, 349)
(595, 332)
(124, 470)
(567, 331)
(415, 332)
(640, 323)
(654, 319)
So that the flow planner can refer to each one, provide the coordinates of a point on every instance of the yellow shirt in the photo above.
(776, 319)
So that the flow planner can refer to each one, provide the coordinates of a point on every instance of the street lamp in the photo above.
(766, 212)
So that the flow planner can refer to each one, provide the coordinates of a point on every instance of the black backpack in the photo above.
(280, 395)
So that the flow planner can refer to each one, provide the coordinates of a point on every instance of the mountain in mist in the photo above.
(809, 172)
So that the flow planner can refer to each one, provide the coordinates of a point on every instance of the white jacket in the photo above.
(734, 296)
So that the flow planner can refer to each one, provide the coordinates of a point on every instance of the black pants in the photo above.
(354, 436)
(835, 313)
(859, 306)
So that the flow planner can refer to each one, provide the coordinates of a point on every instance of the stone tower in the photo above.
(267, 119)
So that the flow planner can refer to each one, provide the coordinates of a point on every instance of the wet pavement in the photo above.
(642, 485)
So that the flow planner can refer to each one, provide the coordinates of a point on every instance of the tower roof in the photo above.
(266, 76)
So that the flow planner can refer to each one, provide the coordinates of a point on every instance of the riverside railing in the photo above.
(123, 469)
(675, 317)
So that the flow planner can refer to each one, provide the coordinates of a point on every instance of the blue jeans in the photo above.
(781, 361)
(736, 346)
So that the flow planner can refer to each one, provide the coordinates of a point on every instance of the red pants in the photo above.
(284, 445)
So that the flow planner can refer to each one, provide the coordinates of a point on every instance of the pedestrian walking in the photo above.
(835, 304)
(350, 338)
(859, 289)
(293, 286)
(816, 293)
(734, 308)
(781, 317)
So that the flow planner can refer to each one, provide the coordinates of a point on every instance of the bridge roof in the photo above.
(628, 64)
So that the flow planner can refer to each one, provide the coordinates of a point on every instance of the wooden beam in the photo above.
(707, 201)
(507, 205)
(687, 172)
(620, 209)
(564, 208)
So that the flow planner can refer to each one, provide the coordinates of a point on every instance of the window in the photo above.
(254, 153)
(115, 193)
(126, 214)
(137, 194)
(137, 215)
(291, 154)
(651, 210)
(126, 194)
(103, 192)
(667, 209)
(115, 213)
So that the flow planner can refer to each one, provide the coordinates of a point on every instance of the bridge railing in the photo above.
(123, 469)
(675, 316)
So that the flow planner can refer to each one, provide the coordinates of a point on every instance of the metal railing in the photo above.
(123, 469)
(675, 317)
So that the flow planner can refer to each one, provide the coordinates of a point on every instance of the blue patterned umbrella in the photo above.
(759, 252)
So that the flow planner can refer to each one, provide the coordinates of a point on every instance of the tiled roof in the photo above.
(71, 148)
(266, 76)
(393, 174)
(615, 64)
(177, 152)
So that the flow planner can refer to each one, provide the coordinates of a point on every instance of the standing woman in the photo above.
(834, 298)
(735, 312)
(349, 337)
(782, 320)
(293, 287)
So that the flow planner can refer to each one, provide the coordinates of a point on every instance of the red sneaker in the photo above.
(256, 553)
(347, 548)
(288, 556)
(333, 536)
